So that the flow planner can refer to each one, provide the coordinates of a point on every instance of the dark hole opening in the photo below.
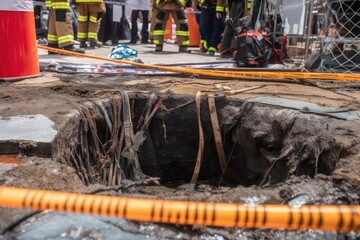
(263, 144)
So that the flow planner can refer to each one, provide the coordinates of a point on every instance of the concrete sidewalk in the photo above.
(146, 52)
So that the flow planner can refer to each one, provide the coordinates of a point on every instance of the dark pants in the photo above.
(75, 22)
(211, 27)
(40, 25)
(109, 29)
(236, 12)
(145, 25)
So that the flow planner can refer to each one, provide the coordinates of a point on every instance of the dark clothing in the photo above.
(110, 30)
(236, 12)
(145, 25)
(75, 22)
(41, 24)
(211, 27)
(230, 3)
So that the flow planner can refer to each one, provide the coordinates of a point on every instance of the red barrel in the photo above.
(19, 57)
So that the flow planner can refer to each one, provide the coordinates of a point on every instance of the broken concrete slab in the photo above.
(344, 114)
(28, 134)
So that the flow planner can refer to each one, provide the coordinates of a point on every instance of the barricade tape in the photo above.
(321, 217)
(222, 73)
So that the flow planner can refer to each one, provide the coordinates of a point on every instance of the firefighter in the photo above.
(176, 8)
(60, 32)
(152, 21)
(90, 15)
(212, 19)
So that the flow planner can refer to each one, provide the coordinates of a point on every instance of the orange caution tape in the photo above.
(222, 73)
(331, 217)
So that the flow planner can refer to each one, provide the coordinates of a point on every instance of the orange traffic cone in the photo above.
(168, 29)
(194, 32)
(19, 57)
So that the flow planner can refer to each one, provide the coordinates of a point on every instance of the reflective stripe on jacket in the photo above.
(220, 5)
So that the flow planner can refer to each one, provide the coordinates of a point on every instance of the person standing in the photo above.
(89, 18)
(176, 9)
(237, 10)
(212, 18)
(143, 7)
(60, 32)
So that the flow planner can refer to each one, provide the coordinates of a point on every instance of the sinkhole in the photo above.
(156, 138)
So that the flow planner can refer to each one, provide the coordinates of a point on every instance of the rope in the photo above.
(216, 131)
(200, 154)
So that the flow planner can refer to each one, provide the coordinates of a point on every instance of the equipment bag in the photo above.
(253, 48)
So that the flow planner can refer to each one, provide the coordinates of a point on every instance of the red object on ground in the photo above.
(19, 56)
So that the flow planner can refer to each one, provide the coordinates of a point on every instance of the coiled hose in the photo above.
(323, 217)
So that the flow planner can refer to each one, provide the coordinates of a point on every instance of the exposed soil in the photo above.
(317, 157)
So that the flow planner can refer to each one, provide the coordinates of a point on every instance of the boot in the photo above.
(95, 44)
(144, 40)
(211, 53)
(74, 49)
(204, 47)
(52, 46)
(83, 45)
(159, 48)
(183, 49)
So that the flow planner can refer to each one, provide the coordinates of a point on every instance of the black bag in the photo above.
(253, 48)
(125, 32)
